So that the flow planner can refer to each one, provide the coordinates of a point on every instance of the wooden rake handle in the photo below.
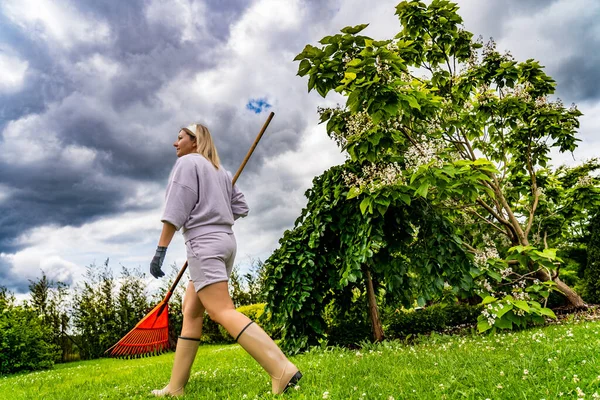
(236, 176)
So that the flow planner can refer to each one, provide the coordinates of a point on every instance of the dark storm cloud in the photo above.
(58, 195)
(150, 55)
(10, 280)
(578, 79)
(576, 74)
(489, 19)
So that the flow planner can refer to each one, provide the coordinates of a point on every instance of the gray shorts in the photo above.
(210, 258)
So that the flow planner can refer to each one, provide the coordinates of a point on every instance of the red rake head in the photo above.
(149, 337)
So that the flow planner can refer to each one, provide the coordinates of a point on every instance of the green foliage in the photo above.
(512, 300)
(102, 315)
(248, 288)
(51, 303)
(347, 320)
(445, 172)
(25, 340)
(592, 272)
(322, 258)
(253, 311)
(434, 318)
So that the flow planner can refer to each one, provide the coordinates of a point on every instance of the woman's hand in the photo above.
(157, 261)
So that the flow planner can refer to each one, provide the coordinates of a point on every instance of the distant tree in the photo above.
(132, 299)
(248, 288)
(25, 343)
(95, 313)
(50, 300)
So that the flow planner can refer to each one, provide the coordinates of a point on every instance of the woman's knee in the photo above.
(219, 315)
(192, 310)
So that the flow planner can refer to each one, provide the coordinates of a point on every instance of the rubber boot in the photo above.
(185, 353)
(263, 349)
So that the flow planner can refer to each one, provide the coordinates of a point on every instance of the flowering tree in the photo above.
(445, 136)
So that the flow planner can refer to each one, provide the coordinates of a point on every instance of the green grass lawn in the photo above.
(542, 363)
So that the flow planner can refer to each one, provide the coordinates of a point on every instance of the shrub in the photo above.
(25, 342)
(347, 319)
(433, 318)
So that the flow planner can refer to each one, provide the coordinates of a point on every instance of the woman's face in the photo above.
(184, 144)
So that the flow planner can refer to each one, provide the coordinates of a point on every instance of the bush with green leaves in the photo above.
(433, 318)
(25, 341)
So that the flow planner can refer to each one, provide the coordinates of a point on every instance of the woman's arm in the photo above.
(168, 230)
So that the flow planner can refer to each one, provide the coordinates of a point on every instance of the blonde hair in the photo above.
(204, 143)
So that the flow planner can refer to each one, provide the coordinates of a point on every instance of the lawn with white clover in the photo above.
(556, 361)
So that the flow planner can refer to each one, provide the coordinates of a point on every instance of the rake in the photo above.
(151, 335)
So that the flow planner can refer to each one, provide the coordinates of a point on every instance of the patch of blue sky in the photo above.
(257, 105)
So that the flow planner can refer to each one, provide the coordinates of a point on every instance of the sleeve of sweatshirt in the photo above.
(182, 194)
(239, 207)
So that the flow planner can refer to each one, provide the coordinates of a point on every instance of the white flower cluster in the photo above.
(375, 176)
(520, 91)
(393, 45)
(381, 66)
(482, 256)
(490, 312)
(506, 272)
(486, 285)
(428, 151)
(488, 252)
(518, 291)
(357, 124)
(584, 181)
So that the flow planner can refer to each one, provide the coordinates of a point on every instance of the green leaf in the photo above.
(353, 192)
(483, 325)
(354, 29)
(503, 323)
(522, 305)
(422, 190)
(488, 299)
(349, 76)
(413, 102)
(505, 308)
(304, 67)
(366, 202)
(405, 198)
(547, 312)
(354, 62)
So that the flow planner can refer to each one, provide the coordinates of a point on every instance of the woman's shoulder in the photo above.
(190, 160)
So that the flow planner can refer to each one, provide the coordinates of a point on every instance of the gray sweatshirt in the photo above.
(200, 199)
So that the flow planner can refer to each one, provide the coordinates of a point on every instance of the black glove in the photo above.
(157, 262)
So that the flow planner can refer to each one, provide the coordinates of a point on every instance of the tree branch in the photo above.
(535, 192)
(499, 218)
(490, 223)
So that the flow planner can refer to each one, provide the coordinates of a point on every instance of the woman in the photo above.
(202, 202)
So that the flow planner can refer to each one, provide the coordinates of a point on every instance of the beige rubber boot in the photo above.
(185, 353)
(263, 349)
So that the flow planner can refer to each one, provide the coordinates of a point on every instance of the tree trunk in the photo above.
(373, 310)
(573, 298)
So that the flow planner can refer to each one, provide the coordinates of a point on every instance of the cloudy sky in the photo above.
(93, 92)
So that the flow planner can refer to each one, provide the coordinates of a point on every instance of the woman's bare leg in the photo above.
(250, 336)
(193, 313)
(220, 308)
